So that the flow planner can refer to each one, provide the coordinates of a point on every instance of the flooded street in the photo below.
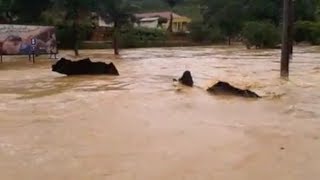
(142, 126)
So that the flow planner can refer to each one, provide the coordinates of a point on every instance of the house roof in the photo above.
(164, 14)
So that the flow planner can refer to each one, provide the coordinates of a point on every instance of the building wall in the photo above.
(180, 27)
(179, 24)
(149, 24)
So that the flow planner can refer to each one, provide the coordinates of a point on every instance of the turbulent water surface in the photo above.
(143, 126)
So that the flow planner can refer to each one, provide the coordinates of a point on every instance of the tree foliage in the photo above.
(307, 31)
(29, 12)
(261, 34)
(75, 13)
(228, 15)
(6, 10)
(306, 10)
(264, 10)
(231, 16)
(202, 33)
(117, 12)
(172, 3)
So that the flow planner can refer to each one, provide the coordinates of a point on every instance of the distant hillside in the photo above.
(188, 8)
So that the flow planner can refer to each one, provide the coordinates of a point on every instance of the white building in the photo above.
(162, 20)
(102, 23)
(152, 22)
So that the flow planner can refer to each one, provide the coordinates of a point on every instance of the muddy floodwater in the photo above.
(143, 126)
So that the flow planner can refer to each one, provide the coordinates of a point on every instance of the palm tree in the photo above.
(119, 12)
(172, 4)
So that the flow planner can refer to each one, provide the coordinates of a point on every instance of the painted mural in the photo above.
(24, 40)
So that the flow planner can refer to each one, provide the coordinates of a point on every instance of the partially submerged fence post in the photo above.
(1, 60)
(33, 60)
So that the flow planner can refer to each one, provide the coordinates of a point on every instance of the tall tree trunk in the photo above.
(170, 28)
(76, 31)
(229, 40)
(285, 53)
(115, 38)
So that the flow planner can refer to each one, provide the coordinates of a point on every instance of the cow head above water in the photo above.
(60, 65)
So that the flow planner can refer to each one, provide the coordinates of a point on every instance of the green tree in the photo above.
(260, 34)
(227, 15)
(317, 12)
(119, 13)
(305, 10)
(264, 10)
(75, 11)
(29, 12)
(307, 31)
(5, 10)
(200, 32)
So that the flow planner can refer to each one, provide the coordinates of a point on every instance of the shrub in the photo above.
(307, 31)
(65, 37)
(260, 34)
(180, 34)
(315, 34)
(199, 32)
(140, 37)
(215, 35)
(302, 31)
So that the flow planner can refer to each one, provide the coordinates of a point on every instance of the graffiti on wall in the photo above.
(25, 40)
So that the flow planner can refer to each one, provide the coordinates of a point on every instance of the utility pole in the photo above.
(291, 27)
(287, 40)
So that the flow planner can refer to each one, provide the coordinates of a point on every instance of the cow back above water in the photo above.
(227, 89)
(84, 67)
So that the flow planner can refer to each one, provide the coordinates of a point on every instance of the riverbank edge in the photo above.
(152, 44)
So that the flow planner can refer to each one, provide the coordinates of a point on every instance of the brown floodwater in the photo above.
(142, 126)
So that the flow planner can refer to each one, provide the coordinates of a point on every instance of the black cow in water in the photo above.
(84, 67)
(227, 89)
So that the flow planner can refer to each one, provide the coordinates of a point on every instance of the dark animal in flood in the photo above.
(227, 89)
(84, 67)
(186, 79)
